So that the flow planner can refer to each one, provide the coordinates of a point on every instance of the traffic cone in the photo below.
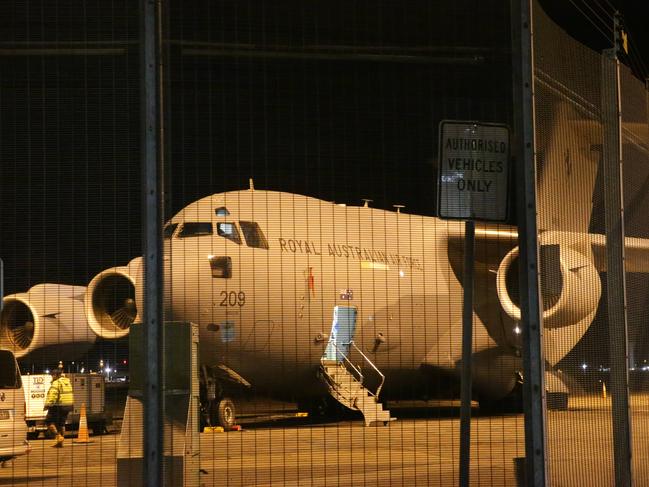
(82, 435)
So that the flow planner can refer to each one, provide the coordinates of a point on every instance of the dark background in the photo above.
(338, 100)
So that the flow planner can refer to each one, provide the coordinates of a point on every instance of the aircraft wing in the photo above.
(492, 241)
(636, 253)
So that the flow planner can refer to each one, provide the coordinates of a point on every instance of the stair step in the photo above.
(349, 391)
(368, 399)
(353, 392)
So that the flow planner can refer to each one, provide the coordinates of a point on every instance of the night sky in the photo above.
(338, 100)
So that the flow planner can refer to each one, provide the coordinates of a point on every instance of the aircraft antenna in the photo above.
(398, 207)
(251, 183)
(366, 202)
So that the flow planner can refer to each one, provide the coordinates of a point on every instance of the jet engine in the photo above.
(570, 291)
(47, 319)
(110, 303)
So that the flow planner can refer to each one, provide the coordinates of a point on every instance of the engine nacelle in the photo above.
(48, 320)
(110, 304)
(571, 289)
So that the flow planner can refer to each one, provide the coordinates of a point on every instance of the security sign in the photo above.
(473, 171)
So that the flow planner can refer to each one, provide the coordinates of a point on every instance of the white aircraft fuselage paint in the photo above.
(269, 320)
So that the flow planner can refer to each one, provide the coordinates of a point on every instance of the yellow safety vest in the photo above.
(60, 393)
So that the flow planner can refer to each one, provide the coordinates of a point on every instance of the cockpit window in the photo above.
(169, 230)
(253, 235)
(222, 211)
(229, 231)
(195, 229)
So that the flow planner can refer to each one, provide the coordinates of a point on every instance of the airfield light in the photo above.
(83, 369)
(517, 330)
(584, 366)
(47, 371)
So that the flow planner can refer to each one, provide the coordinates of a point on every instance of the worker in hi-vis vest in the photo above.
(59, 403)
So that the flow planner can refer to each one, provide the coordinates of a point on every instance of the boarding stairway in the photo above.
(345, 383)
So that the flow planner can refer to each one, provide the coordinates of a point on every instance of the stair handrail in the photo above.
(356, 369)
(378, 389)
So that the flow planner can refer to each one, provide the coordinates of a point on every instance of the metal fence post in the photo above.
(467, 351)
(615, 276)
(525, 163)
(152, 184)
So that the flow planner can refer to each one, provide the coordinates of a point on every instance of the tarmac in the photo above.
(420, 448)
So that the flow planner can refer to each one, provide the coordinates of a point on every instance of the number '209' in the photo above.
(233, 298)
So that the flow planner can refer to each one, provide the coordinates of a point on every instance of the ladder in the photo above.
(345, 384)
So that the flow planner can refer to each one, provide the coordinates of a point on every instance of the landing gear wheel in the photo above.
(226, 413)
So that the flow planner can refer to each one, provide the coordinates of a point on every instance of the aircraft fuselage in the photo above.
(268, 317)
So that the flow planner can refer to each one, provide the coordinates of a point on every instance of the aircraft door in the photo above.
(342, 333)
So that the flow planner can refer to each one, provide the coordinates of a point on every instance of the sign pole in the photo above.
(467, 346)
(472, 185)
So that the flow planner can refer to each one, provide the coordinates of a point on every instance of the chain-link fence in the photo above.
(299, 145)
(591, 180)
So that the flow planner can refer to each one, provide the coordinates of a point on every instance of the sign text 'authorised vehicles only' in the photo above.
(473, 170)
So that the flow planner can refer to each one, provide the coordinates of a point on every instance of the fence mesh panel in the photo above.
(569, 152)
(324, 104)
(635, 157)
(280, 118)
(573, 98)
(70, 174)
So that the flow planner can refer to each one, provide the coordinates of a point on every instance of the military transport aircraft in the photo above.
(299, 297)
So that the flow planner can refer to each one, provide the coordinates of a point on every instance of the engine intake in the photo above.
(571, 290)
(110, 303)
(47, 318)
(567, 297)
